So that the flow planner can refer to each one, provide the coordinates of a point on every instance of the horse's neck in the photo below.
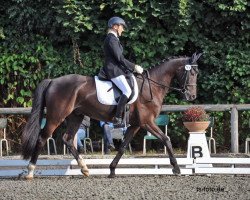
(164, 73)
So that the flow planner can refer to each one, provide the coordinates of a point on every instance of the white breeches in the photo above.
(122, 84)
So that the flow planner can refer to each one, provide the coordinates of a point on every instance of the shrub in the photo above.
(195, 113)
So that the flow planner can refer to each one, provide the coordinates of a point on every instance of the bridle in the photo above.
(185, 76)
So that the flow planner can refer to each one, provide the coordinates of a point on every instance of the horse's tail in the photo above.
(33, 127)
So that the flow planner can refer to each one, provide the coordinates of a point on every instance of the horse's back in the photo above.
(70, 78)
(69, 82)
(66, 87)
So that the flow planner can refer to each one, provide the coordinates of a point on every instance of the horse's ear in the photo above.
(195, 57)
(199, 55)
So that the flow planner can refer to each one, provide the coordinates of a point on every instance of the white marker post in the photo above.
(197, 148)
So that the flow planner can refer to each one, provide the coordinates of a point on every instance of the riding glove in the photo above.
(138, 69)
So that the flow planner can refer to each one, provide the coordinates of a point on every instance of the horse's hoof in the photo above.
(111, 176)
(28, 177)
(176, 171)
(85, 173)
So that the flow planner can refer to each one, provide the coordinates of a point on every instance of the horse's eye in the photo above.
(194, 70)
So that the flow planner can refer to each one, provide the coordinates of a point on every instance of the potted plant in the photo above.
(195, 119)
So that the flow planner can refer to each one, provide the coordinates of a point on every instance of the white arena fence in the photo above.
(128, 166)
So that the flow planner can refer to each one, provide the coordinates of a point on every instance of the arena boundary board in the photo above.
(127, 166)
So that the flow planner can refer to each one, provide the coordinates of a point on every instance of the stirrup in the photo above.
(118, 122)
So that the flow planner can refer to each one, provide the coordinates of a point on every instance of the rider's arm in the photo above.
(116, 51)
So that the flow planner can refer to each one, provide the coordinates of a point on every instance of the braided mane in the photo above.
(166, 60)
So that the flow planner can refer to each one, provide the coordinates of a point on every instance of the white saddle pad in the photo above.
(106, 93)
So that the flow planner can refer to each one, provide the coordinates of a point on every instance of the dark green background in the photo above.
(44, 38)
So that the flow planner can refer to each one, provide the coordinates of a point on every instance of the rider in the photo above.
(116, 67)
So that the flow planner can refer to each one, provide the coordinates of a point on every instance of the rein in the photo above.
(157, 83)
(182, 90)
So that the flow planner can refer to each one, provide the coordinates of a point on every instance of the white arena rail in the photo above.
(234, 166)
(129, 166)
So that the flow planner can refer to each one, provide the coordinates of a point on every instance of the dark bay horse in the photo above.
(72, 96)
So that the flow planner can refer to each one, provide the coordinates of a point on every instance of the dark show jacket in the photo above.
(115, 63)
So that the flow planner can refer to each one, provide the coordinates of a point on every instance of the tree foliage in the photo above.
(44, 38)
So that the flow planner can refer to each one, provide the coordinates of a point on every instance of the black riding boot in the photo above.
(119, 110)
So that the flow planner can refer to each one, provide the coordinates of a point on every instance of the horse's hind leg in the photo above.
(131, 131)
(156, 131)
(73, 122)
(44, 135)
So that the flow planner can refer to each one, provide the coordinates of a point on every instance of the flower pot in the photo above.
(196, 126)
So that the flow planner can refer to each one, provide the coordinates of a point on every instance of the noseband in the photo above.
(186, 75)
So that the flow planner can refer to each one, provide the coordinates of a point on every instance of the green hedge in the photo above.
(45, 38)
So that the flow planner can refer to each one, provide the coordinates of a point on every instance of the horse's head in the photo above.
(187, 77)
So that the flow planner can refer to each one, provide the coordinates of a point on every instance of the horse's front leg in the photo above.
(156, 131)
(131, 131)
(69, 142)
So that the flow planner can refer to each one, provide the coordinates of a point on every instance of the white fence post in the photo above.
(234, 131)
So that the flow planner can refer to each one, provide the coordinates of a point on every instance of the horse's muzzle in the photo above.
(189, 97)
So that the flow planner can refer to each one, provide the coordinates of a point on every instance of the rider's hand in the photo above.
(138, 69)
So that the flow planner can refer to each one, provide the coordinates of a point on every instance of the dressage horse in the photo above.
(72, 96)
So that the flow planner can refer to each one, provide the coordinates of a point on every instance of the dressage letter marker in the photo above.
(198, 148)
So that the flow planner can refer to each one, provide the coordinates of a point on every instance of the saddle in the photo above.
(109, 94)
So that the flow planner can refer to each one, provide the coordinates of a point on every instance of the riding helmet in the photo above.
(116, 20)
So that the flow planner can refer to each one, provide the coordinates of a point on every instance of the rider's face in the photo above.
(119, 28)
